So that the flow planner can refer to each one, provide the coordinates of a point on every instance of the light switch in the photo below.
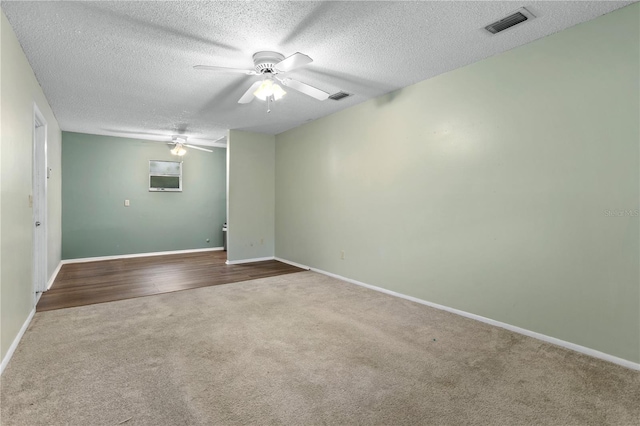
(126, 203)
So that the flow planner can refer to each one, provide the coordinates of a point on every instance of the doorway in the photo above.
(39, 203)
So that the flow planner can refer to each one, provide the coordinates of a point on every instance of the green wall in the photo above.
(100, 172)
(20, 91)
(508, 188)
(251, 195)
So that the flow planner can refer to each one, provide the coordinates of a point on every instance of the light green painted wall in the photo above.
(100, 172)
(251, 211)
(20, 90)
(486, 189)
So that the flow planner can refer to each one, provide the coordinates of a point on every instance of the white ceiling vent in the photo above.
(339, 95)
(518, 17)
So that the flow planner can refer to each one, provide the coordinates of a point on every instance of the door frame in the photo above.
(39, 203)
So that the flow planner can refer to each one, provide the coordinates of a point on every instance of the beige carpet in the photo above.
(299, 349)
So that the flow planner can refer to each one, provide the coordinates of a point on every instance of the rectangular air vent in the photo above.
(339, 95)
(521, 15)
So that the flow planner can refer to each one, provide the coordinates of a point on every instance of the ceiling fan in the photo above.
(270, 65)
(180, 144)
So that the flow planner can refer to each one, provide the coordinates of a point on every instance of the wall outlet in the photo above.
(30, 201)
(126, 203)
(342, 254)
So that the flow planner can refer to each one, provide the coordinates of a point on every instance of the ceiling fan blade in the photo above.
(248, 95)
(208, 143)
(292, 62)
(197, 147)
(306, 89)
(224, 69)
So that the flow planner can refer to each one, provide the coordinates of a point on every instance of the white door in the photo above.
(39, 202)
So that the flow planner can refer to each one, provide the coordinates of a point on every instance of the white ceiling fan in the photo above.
(270, 65)
(179, 141)
(180, 144)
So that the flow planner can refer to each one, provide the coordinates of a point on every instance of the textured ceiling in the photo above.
(126, 68)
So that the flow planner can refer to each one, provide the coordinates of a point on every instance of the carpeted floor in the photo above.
(299, 349)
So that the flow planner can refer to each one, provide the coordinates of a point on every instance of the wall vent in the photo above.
(339, 95)
(520, 16)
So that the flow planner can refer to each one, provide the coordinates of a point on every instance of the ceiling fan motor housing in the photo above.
(265, 62)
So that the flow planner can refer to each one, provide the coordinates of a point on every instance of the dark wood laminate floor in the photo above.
(87, 283)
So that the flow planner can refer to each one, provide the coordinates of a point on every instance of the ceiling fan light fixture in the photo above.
(269, 89)
(278, 92)
(178, 150)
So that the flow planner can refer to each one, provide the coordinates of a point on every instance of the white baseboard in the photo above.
(297, 265)
(257, 259)
(54, 275)
(14, 345)
(568, 345)
(128, 256)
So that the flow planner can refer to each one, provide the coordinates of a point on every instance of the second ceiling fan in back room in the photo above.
(180, 143)
(270, 65)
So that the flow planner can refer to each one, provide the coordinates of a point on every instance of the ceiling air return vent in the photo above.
(520, 16)
(339, 95)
